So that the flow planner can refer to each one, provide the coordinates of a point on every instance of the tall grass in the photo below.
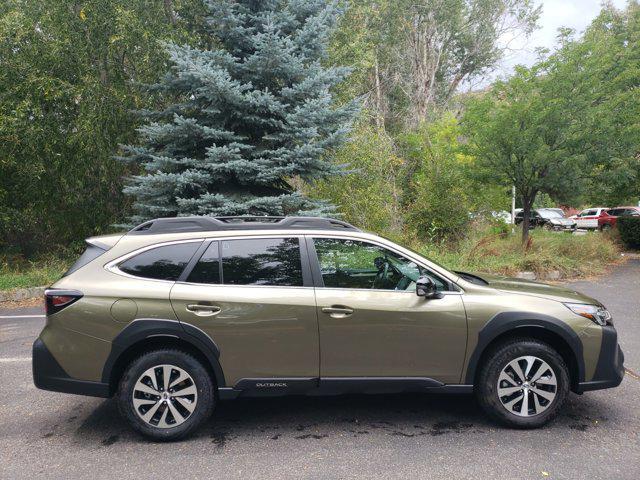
(15, 272)
(503, 253)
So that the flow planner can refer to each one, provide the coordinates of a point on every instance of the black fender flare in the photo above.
(509, 321)
(144, 328)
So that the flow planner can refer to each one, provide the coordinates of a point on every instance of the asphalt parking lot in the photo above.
(51, 435)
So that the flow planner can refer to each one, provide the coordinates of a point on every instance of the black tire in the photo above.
(497, 360)
(203, 383)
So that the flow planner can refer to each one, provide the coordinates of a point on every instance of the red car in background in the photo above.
(608, 219)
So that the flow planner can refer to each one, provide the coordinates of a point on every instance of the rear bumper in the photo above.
(610, 368)
(49, 375)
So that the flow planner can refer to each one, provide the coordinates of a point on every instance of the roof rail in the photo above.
(207, 224)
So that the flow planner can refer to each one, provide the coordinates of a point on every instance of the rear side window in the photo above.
(91, 253)
(161, 263)
(255, 261)
(262, 261)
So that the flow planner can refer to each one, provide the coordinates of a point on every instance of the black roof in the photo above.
(207, 224)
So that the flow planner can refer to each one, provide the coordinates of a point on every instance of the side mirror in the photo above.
(425, 287)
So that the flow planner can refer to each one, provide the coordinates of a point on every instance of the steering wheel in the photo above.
(383, 265)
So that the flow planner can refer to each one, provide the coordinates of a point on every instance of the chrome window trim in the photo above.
(113, 265)
(230, 285)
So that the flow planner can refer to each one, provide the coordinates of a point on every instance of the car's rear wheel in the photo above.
(166, 394)
(523, 383)
(606, 227)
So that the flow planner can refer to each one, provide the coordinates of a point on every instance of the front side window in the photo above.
(161, 263)
(362, 265)
(251, 261)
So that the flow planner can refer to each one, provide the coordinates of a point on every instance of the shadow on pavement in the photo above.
(314, 418)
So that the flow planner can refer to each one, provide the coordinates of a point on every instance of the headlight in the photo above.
(598, 314)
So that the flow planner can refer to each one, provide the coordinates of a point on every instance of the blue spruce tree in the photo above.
(247, 116)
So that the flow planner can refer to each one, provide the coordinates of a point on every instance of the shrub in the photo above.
(629, 228)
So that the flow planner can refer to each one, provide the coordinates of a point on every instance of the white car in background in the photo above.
(588, 218)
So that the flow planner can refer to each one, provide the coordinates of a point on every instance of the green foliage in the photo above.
(243, 117)
(629, 228)
(418, 184)
(596, 79)
(367, 194)
(66, 96)
(519, 133)
(436, 196)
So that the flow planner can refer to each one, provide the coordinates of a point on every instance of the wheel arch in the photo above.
(511, 325)
(143, 335)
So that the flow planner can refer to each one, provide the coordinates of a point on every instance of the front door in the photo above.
(253, 298)
(371, 322)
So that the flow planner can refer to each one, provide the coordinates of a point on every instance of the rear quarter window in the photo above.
(160, 263)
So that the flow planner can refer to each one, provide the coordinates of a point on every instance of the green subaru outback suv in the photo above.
(180, 313)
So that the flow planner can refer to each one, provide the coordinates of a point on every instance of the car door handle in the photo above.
(337, 311)
(203, 310)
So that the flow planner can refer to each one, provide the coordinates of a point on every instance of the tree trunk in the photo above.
(527, 204)
(379, 107)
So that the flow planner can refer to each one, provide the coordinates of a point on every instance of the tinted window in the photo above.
(161, 263)
(261, 261)
(207, 270)
(362, 265)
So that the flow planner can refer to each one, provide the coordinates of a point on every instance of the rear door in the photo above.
(372, 324)
(588, 219)
(254, 297)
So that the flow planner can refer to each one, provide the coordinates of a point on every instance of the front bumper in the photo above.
(49, 375)
(610, 367)
(564, 227)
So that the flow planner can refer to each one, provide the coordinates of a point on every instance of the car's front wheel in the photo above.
(166, 394)
(523, 383)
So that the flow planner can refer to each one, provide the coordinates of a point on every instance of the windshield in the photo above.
(549, 214)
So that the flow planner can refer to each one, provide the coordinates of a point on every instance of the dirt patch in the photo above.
(29, 302)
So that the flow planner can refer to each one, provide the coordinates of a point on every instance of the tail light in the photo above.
(56, 300)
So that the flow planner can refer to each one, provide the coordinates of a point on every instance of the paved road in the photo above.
(50, 435)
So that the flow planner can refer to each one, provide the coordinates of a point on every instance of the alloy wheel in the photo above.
(527, 386)
(165, 396)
